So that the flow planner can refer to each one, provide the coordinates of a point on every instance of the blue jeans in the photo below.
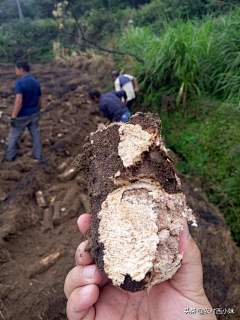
(30, 122)
(125, 117)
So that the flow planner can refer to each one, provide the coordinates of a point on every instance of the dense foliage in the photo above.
(208, 141)
(196, 59)
(191, 58)
(27, 39)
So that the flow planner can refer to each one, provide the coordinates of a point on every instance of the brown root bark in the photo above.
(40, 199)
(64, 165)
(85, 202)
(69, 196)
(68, 174)
(43, 265)
(56, 213)
(48, 219)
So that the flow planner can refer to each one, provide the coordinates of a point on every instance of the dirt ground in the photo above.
(29, 292)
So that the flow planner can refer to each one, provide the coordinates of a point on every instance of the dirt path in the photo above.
(67, 119)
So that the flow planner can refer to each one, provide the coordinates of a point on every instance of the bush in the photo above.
(101, 25)
(174, 9)
(153, 15)
(27, 39)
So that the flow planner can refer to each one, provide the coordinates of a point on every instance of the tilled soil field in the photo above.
(39, 235)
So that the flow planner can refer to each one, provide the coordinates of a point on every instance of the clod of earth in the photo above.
(136, 203)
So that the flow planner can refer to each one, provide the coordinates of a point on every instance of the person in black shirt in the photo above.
(111, 105)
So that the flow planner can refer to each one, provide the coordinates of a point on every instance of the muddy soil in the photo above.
(25, 237)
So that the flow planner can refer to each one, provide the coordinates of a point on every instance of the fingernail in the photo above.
(89, 271)
(187, 234)
(85, 291)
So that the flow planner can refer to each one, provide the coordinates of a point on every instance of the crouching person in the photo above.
(111, 105)
(26, 112)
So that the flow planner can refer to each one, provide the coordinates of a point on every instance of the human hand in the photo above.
(136, 89)
(13, 122)
(91, 296)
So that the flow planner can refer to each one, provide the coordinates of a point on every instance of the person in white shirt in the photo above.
(125, 82)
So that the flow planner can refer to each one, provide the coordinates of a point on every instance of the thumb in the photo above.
(189, 277)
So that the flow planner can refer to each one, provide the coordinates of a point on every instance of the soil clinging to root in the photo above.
(24, 243)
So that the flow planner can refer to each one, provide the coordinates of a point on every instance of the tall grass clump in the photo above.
(191, 58)
(197, 61)
(224, 71)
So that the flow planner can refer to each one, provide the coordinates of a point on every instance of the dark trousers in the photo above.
(129, 104)
(32, 123)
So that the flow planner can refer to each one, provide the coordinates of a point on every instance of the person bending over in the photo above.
(125, 82)
(25, 112)
(111, 105)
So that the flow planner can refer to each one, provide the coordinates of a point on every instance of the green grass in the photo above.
(207, 138)
(188, 59)
(192, 60)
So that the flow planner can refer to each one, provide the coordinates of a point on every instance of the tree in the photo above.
(21, 16)
(64, 10)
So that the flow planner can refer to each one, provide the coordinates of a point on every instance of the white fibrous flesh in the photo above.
(140, 222)
(133, 142)
(139, 227)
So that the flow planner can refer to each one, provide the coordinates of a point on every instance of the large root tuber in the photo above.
(136, 203)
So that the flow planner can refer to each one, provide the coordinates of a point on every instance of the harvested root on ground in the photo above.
(85, 202)
(56, 213)
(70, 195)
(48, 219)
(43, 265)
(63, 166)
(136, 203)
(68, 174)
(40, 199)
(81, 182)
(72, 211)
(11, 175)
